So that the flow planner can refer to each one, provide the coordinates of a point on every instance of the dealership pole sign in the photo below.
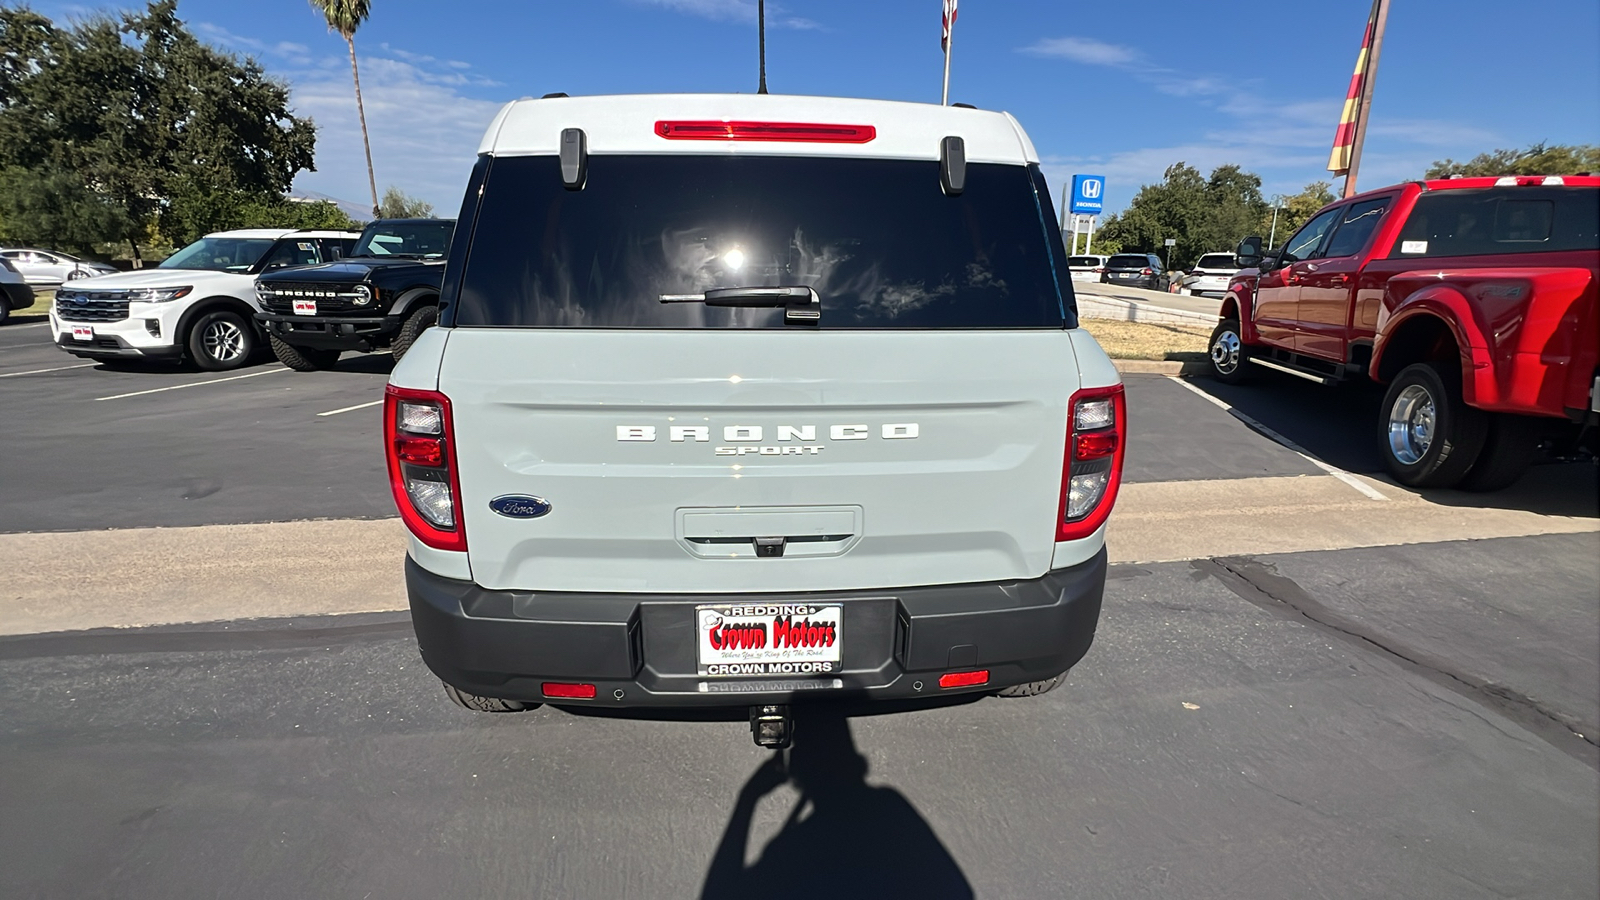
(1087, 191)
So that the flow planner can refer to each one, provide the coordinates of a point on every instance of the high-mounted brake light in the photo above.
(422, 466)
(1091, 472)
(796, 132)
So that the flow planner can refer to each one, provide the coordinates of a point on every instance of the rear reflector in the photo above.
(964, 679)
(420, 451)
(564, 691)
(798, 132)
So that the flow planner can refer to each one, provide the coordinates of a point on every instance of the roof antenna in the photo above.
(761, 29)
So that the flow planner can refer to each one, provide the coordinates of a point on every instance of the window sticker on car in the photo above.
(304, 245)
(1413, 246)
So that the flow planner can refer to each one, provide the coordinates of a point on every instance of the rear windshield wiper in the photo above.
(801, 305)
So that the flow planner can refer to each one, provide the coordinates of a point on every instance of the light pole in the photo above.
(1277, 201)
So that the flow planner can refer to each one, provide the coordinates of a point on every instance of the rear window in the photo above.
(1494, 221)
(877, 239)
(1127, 262)
(1089, 262)
(1217, 261)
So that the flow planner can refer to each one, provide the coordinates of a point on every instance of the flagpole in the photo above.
(949, 41)
(1381, 19)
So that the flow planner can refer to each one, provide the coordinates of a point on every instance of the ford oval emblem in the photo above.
(515, 506)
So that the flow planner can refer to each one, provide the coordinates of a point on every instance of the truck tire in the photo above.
(1032, 688)
(1428, 435)
(5, 308)
(1228, 353)
(302, 359)
(221, 340)
(1508, 450)
(418, 322)
(485, 704)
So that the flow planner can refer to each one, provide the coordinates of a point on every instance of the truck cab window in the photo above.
(1360, 220)
(1306, 241)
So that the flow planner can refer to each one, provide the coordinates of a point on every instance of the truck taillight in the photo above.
(1092, 470)
(422, 466)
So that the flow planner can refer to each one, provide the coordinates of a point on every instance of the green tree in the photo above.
(1294, 211)
(56, 210)
(397, 205)
(145, 117)
(1540, 159)
(1202, 214)
(345, 17)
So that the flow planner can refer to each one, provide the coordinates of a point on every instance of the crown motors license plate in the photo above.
(765, 640)
(305, 307)
(83, 332)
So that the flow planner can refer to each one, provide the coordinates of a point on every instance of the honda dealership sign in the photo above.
(1086, 193)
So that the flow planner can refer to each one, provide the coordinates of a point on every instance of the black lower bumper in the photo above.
(639, 649)
(332, 332)
(108, 347)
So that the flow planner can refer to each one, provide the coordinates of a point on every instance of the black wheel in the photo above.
(221, 340)
(1032, 688)
(1430, 437)
(485, 704)
(1228, 353)
(5, 308)
(1508, 449)
(418, 322)
(302, 359)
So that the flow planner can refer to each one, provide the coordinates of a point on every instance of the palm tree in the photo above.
(345, 16)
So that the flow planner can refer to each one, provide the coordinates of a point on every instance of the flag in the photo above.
(1344, 140)
(949, 22)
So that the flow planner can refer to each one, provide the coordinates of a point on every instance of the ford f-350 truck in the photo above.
(1473, 299)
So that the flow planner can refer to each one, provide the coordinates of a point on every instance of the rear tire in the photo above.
(1032, 688)
(221, 340)
(1508, 450)
(1228, 353)
(302, 359)
(1428, 435)
(485, 704)
(418, 322)
(5, 308)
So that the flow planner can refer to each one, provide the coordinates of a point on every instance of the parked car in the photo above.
(198, 303)
(1086, 268)
(1474, 299)
(1211, 274)
(51, 268)
(731, 404)
(384, 293)
(1142, 270)
(14, 291)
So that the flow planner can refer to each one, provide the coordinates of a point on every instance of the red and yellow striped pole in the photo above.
(1348, 140)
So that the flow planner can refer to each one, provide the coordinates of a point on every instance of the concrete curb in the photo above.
(1090, 307)
(1158, 367)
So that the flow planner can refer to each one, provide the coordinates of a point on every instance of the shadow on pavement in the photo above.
(844, 838)
(1339, 425)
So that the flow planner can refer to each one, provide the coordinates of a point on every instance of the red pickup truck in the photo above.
(1474, 299)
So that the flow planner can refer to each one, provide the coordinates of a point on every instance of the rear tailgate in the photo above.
(884, 459)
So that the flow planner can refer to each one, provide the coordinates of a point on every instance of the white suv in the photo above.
(736, 399)
(199, 302)
(1211, 274)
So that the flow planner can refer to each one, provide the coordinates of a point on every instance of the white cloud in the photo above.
(1088, 51)
(741, 11)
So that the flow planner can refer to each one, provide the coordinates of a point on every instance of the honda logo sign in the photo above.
(1086, 193)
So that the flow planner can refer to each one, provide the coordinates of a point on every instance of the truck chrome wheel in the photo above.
(1225, 352)
(223, 340)
(1411, 424)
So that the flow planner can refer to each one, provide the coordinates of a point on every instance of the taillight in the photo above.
(1097, 435)
(422, 466)
(799, 132)
(1146, 272)
(1101, 270)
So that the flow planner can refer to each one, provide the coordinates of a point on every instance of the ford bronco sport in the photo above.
(753, 400)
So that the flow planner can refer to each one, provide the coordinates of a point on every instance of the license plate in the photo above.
(765, 640)
(305, 307)
(83, 332)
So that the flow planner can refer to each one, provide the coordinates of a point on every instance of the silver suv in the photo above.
(741, 399)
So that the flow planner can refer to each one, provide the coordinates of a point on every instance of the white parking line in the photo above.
(179, 387)
(42, 371)
(1335, 471)
(335, 412)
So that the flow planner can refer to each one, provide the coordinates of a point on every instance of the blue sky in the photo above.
(1116, 89)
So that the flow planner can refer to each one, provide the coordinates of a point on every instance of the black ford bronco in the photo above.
(384, 294)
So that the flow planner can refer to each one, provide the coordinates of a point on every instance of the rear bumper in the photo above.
(639, 649)
(332, 332)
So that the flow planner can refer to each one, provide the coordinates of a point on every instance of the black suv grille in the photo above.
(91, 306)
(278, 297)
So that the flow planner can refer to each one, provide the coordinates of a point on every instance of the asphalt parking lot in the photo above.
(1384, 711)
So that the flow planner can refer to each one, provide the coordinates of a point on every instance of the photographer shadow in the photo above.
(844, 838)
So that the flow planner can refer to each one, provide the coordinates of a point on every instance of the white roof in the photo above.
(626, 124)
(275, 233)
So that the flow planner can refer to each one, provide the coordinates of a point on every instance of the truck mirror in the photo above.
(1249, 252)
